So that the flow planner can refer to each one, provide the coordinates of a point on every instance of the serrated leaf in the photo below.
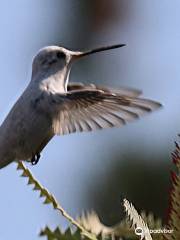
(47, 201)
(30, 181)
(50, 199)
(19, 167)
(91, 222)
(137, 220)
(57, 231)
(37, 187)
(57, 234)
(24, 174)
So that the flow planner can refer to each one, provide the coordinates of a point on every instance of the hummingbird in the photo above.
(50, 106)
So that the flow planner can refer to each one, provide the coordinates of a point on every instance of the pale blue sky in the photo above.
(68, 165)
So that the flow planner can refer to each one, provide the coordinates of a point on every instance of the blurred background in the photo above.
(94, 170)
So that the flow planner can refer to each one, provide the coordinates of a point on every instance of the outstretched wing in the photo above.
(86, 108)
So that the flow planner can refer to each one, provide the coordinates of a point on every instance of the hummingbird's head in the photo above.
(54, 59)
(50, 59)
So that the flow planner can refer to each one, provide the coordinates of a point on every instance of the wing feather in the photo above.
(89, 107)
(121, 91)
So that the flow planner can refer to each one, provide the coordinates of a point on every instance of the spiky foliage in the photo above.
(88, 225)
(174, 210)
(137, 221)
(50, 199)
(92, 223)
(152, 222)
(57, 234)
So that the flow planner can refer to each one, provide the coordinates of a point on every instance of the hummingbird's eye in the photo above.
(60, 55)
(44, 61)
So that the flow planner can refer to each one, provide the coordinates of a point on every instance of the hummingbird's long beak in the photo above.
(77, 55)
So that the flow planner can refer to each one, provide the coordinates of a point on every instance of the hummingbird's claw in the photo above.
(35, 158)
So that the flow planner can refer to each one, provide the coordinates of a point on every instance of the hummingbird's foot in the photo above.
(35, 158)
